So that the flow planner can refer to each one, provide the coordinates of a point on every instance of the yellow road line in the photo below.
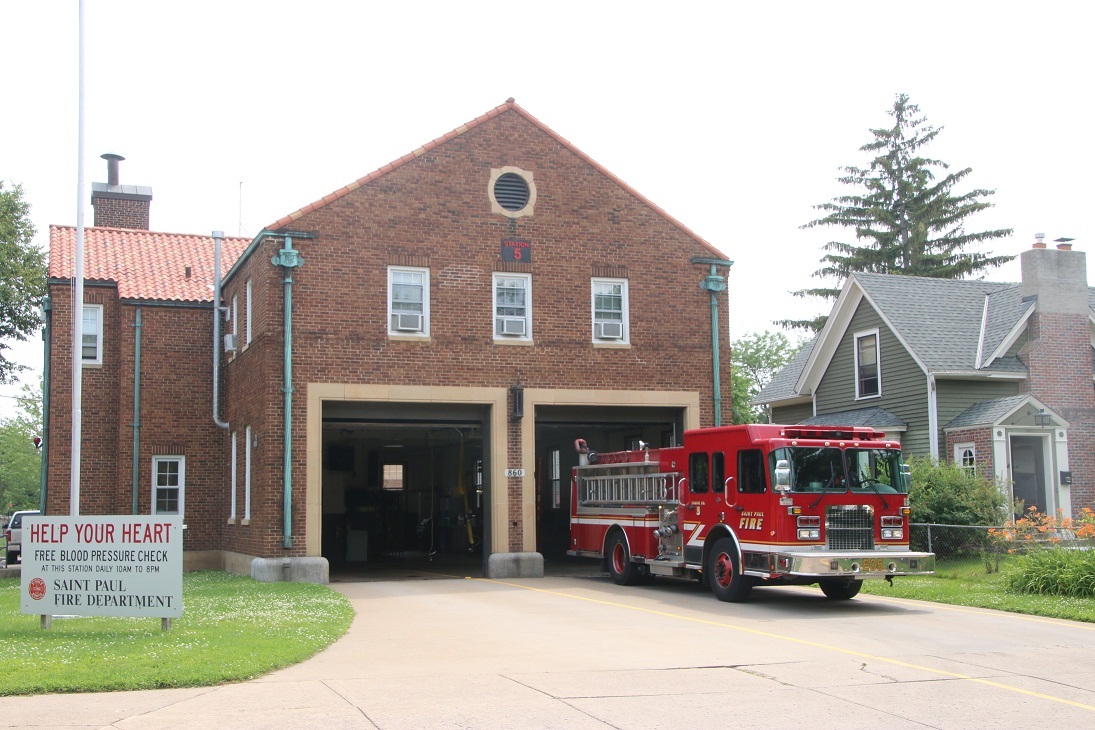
(805, 642)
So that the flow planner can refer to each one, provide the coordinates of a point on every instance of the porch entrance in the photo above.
(1028, 473)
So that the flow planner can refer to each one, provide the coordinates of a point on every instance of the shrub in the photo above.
(947, 494)
(1056, 571)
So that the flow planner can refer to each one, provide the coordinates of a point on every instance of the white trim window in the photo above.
(232, 489)
(610, 311)
(249, 303)
(868, 365)
(91, 345)
(408, 301)
(512, 306)
(168, 484)
(247, 445)
(965, 456)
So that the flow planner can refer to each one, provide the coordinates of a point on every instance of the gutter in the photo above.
(136, 409)
(47, 335)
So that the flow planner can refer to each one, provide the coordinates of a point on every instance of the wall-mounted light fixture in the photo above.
(1041, 418)
(517, 391)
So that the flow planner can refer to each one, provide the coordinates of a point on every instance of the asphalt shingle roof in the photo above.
(144, 264)
(986, 412)
(878, 418)
(782, 384)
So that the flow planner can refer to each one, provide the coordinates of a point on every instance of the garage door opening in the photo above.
(604, 430)
(397, 490)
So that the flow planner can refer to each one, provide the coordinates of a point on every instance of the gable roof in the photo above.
(981, 321)
(997, 410)
(509, 107)
(145, 265)
(878, 418)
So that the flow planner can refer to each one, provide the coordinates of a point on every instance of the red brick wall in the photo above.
(175, 414)
(121, 213)
(981, 438)
(1059, 357)
(434, 211)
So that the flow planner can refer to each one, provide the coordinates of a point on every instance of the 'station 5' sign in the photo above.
(118, 565)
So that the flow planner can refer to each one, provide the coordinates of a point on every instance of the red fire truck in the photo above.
(738, 506)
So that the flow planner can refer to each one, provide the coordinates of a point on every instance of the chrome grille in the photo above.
(849, 527)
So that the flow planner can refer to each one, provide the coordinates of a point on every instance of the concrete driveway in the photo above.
(579, 652)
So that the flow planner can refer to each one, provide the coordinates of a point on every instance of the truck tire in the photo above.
(724, 573)
(840, 589)
(623, 571)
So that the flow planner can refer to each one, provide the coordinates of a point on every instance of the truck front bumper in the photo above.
(859, 565)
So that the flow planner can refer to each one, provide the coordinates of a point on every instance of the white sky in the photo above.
(735, 118)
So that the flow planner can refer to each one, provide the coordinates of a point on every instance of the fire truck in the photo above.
(741, 506)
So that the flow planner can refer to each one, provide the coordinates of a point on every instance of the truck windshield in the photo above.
(875, 470)
(827, 469)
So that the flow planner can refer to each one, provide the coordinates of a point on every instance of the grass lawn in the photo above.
(968, 583)
(232, 628)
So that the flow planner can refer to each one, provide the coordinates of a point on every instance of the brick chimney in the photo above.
(117, 205)
(1058, 355)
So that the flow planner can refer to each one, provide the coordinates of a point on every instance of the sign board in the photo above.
(116, 565)
(517, 249)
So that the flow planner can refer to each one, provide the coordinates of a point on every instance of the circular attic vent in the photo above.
(511, 191)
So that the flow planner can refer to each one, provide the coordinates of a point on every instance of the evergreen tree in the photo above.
(22, 275)
(905, 212)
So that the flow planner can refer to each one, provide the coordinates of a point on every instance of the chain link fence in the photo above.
(958, 546)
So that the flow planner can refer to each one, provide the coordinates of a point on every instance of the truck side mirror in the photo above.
(783, 476)
(906, 475)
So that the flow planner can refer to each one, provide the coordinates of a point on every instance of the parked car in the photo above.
(14, 535)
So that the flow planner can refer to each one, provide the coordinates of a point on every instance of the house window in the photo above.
(965, 456)
(232, 487)
(408, 301)
(247, 446)
(248, 304)
(393, 477)
(513, 306)
(610, 310)
(867, 380)
(168, 483)
(92, 336)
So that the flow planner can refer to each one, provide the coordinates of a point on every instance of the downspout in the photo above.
(218, 236)
(933, 419)
(136, 407)
(289, 258)
(714, 284)
(47, 334)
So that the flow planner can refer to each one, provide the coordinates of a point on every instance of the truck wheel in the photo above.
(623, 571)
(841, 589)
(724, 573)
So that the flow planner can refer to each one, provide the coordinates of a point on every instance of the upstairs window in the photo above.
(610, 314)
(868, 383)
(408, 301)
(91, 346)
(512, 306)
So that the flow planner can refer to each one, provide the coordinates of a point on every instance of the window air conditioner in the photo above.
(512, 326)
(229, 343)
(408, 322)
(609, 330)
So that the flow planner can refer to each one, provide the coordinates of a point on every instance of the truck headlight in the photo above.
(809, 533)
(893, 533)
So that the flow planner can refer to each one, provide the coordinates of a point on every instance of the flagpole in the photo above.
(78, 297)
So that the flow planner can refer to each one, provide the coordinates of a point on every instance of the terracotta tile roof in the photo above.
(145, 264)
(510, 105)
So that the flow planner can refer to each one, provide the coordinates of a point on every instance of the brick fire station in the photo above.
(399, 369)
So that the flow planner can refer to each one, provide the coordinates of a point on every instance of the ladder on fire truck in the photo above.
(606, 490)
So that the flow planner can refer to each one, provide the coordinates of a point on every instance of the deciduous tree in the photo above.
(757, 357)
(22, 276)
